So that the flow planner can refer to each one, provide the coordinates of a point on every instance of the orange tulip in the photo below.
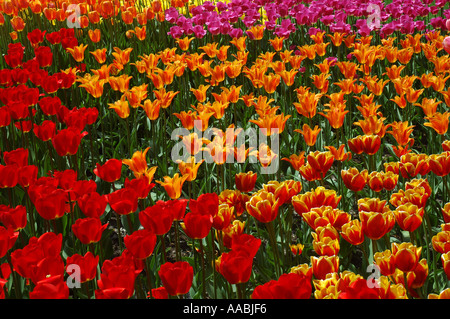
(401, 132)
(339, 154)
(189, 168)
(200, 92)
(120, 83)
(94, 35)
(326, 242)
(99, 55)
(271, 124)
(121, 107)
(122, 56)
(439, 122)
(309, 134)
(326, 215)
(307, 104)
(138, 163)
(429, 106)
(173, 185)
(369, 144)
(277, 43)
(184, 43)
(77, 52)
(296, 161)
(335, 115)
(256, 32)
(165, 97)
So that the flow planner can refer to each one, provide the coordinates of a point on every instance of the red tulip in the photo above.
(36, 36)
(288, 286)
(140, 185)
(8, 238)
(46, 131)
(87, 263)
(160, 293)
(50, 105)
(157, 218)
(52, 205)
(236, 266)
(110, 171)
(360, 290)
(27, 175)
(88, 230)
(67, 141)
(123, 201)
(92, 204)
(5, 116)
(9, 176)
(52, 288)
(44, 56)
(141, 243)
(14, 218)
(176, 277)
(197, 225)
(205, 203)
(48, 266)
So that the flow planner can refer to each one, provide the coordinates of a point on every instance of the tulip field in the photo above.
(237, 149)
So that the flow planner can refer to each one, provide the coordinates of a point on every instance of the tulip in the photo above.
(88, 230)
(375, 225)
(324, 265)
(157, 218)
(92, 204)
(288, 286)
(110, 171)
(123, 201)
(406, 256)
(176, 277)
(320, 161)
(51, 288)
(263, 206)
(14, 218)
(409, 216)
(141, 243)
(8, 237)
(352, 232)
(87, 263)
(353, 179)
(309, 134)
(446, 44)
(245, 182)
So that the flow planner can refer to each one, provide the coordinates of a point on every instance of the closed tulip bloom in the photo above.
(445, 259)
(52, 205)
(353, 179)
(92, 204)
(110, 171)
(325, 246)
(67, 141)
(385, 261)
(263, 206)
(375, 225)
(235, 266)
(369, 144)
(360, 290)
(157, 218)
(324, 265)
(88, 230)
(141, 243)
(352, 232)
(123, 201)
(8, 238)
(446, 213)
(320, 161)
(224, 216)
(406, 256)
(87, 263)
(288, 286)
(176, 277)
(197, 225)
(14, 218)
(441, 242)
(440, 163)
(54, 287)
(245, 182)
(409, 216)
